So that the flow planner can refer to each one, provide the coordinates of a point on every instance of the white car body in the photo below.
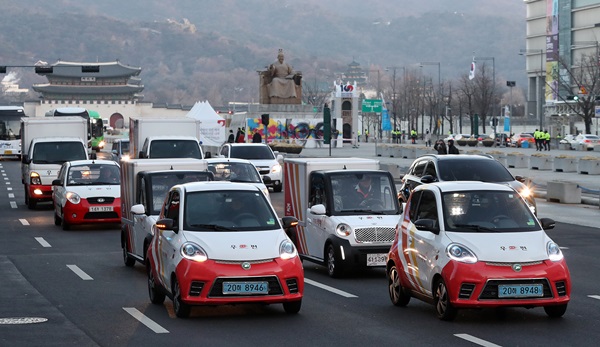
(221, 175)
(267, 165)
(588, 141)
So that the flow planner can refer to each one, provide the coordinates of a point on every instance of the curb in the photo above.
(585, 200)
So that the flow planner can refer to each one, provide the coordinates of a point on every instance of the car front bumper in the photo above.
(80, 213)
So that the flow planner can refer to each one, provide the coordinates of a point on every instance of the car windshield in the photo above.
(487, 211)
(161, 182)
(235, 172)
(362, 193)
(93, 174)
(228, 211)
(58, 152)
(175, 149)
(125, 147)
(484, 170)
(251, 152)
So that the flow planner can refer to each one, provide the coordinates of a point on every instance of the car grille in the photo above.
(466, 290)
(217, 289)
(196, 288)
(106, 200)
(263, 170)
(375, 234)
(531, 263)
(490, 291)
(292, 285)
(101, 215)
(561, 288)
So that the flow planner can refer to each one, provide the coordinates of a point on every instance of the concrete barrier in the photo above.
(589, 166)
(517, 160)
(563, 192)
(393, 169)
(540, 162)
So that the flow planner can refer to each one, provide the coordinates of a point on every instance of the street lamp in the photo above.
(394, 101)
(493, 77)
(540, 95)
(439, 85)
(378, 92)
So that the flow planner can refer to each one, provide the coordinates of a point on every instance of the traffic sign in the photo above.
(597, 114)
(372, 105)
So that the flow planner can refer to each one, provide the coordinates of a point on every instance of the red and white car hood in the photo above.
(505, 247)
(238, 245)
(113, 191)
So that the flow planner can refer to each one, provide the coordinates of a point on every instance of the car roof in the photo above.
(247, 144)
(217, 186)
(444, 157)
(228, 160)
(93, 161)
(452, 186)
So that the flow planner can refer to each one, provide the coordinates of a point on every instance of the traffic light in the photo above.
(2, 69)
(41, 70)
(264, 119)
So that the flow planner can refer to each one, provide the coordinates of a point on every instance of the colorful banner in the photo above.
(284, 129)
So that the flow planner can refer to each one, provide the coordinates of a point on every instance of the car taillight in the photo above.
(587, 141)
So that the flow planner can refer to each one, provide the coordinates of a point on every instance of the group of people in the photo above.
(238, 137)
(441, 147)
(542, 140)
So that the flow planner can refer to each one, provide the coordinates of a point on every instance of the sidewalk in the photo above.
(587, 213)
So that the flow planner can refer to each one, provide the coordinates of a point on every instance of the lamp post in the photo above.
(540, 95)
(380, 120)
(493, 77)
(439, 92)
(394, 96)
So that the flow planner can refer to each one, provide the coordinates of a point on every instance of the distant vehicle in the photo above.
(221, 243)
(457, 137)
(475, 245)
(10, 130)
(95, 126)
(87, 192)
(518, 139)
(96, 123)
(237, 170)
(165, 138)
(569, 139)
(588, 141)
(262, 156)
(120, 150)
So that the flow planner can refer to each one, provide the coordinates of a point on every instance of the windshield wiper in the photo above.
(211, 227)
(475, 227)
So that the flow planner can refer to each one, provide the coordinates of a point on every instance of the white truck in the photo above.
(164, 138)
(10, 143)
(46, 144)
(347, 210)
(144, 186)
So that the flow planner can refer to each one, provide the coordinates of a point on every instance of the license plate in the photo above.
(376, 259)
(101, 209)
(245, 287)
(8, 151)
(520, 290)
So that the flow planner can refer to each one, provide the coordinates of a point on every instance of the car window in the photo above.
(317, 191)
(427, 208)
(363, 192)
(418, 168)
(430, 169)
(175, 149)
(234, 172)
(252, 152)
(485, 170)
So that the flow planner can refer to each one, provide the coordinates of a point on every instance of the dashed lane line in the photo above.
(11, 195)
(328, 288)
(42, 242)
(152, 325)
(80, 272)
(476, 340)
(13, 204)
(9, 188)
(594, 297)
(24, 221)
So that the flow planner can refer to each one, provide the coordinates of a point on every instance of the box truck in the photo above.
(164, 138)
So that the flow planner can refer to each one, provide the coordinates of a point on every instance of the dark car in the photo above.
(465, 167)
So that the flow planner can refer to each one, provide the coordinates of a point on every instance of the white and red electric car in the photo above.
(218, 243)
(475, 245)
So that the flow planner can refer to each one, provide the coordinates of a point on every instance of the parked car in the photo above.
(457, 137)
(237, 170)
(219, 243)
(518, 139)
(464, 167)
(569, 139)
(262, 156)
(475, 245)
(588, 141)
(87, 192)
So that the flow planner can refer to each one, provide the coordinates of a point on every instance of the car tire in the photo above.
(278, 188)
(441, 301)
(333, 262)
(182, 310)
(57, 219)
(157, 297)
(555, 311)
(398, 295)
(292, 307)
(65, 225)
(31, 203)
(127, 259)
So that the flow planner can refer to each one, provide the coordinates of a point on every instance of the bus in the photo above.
(95, 126)
(10, 130)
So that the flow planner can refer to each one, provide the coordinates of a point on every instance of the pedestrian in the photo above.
(546, 140)
(239, 136)
(427, 138)
(359, 136)
(231, 138)
(256, 138)
(440, 147)
(537, 137)
(394, 136)
(451, 148)
(413, 136)
(366, 135)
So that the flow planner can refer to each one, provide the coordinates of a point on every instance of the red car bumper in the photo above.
(80, 213)
(202, 283)
(40, 192)
(476, 285)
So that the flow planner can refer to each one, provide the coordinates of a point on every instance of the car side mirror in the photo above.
(547, 223)
(93, 156)
(25, 159)
(141, 155)
(427, 179)
(428, 225)
(114, 151)
(266, 179)
(318, 209)
(520, 179)
(207, 155)
(56, 182)
(138, 209)
(166, 224)
(289, 222)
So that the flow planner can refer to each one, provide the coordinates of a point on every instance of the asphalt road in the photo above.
(76, 285)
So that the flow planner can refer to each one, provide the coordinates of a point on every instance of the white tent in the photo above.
(212, 127)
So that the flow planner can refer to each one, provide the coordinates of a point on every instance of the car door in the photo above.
(315, 231)
(59, 191)
(168, 240)
(142, 223)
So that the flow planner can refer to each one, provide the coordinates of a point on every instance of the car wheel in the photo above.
(441, 300)
(333, 263)
(65, 225)
(278, 188)
(157, 297)
(292, 307)
(555, 311)
(31, 203)
(57, 219)
(182, 310)
(127, 259)
(398, 294)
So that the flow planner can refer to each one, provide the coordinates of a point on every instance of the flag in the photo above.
(472, 72)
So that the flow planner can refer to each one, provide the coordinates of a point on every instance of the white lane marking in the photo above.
(80, 272)
(152, 325)
(563, 247)
(9, 188)
(6, 178)
(7, 183)
(13, 204)
(42, 242)
(24, 221)
(11, 195)
(331, 289)
(476, 340)
(594, 296)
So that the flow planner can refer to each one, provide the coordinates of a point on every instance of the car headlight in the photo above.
(101, 144)
(73, 198)
(276, 168)
(125, 157)
(554, 252)
(192, 251)
(287, 250)
(526, 192)
(343, 229)
(34, 178)
(266, 192)
(460, 253)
